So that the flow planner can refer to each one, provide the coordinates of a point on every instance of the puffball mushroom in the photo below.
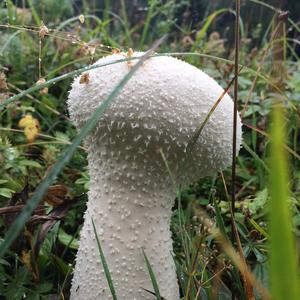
(131, 194)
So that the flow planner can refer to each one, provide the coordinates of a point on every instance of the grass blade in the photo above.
(256, 157)
(87, 68)
(105, 266)
(33, 202)
(219, 219)
(284, 279)
(235, 234)
(57, 79)
(152, 276)
(126, 23)
(149, 17)
(35, 15)
(209, 20)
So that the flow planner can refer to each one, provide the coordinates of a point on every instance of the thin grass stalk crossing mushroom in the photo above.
(131, 194)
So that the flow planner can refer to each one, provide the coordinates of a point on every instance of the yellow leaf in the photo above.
(27, 120)
(31, 132)
(25, 257)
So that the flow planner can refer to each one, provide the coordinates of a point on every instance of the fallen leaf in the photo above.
(56, 194)
(85, 78)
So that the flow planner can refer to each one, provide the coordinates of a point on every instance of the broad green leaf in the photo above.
(67, 240)
(30, 163)
(259, 201)
(4, 262)
(7, 193)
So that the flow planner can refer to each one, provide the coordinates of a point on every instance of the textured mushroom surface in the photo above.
(131, 195)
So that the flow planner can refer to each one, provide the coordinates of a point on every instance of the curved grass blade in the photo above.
(192, 142)
(17, 226)
(57, 79)
(284, 280)
(209, 21)
(105, 266)
(6, 44)
(152, 276)
(259, 228)
(87, 68)
(256, 157)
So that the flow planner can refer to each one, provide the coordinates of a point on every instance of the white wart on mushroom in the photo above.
(131, 194)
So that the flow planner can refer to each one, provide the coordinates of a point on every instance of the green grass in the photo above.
(152, 276)
(284, 271)
(105, 266)
(267, 175)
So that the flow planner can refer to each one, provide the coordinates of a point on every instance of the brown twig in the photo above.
(235, 235)
(17, 208)
(235, 106)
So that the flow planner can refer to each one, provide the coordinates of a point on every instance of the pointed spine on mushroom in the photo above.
(131, 195)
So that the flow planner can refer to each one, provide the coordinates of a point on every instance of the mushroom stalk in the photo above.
(131, 209)
(131, 196)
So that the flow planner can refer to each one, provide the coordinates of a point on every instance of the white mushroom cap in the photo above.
(161, 107)
(130, 198)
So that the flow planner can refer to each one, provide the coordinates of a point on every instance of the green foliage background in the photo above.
(39, 263)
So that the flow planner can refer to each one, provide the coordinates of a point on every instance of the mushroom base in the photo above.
(126, 223)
